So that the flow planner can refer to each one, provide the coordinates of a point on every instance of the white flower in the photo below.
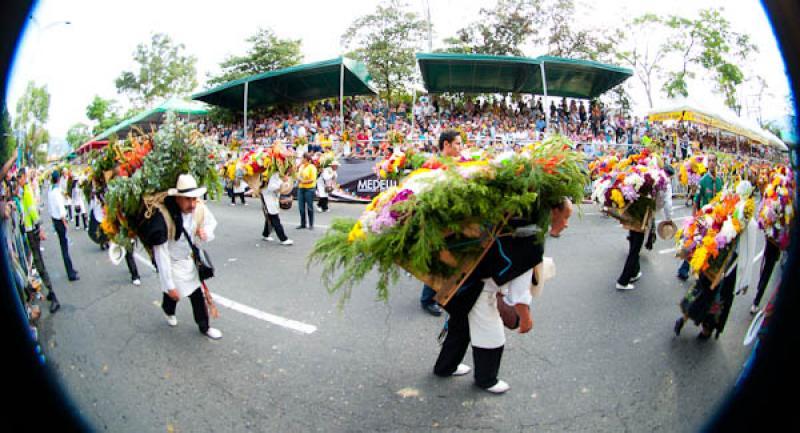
(634, 180)
(744, 189)
(728, 231)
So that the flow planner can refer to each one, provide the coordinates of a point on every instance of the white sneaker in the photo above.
(636, 278)
(499, 387)
(172, 321)
(137, 282)
(319, 209)
(754, 309)
(287, 242)
(628, 287)
(268, 238)
(214, 333)
(462, 369)
(233, 204)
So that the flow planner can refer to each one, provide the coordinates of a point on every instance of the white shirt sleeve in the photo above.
(209, 225)
(668, 202)
(161, 255)
(518, 290)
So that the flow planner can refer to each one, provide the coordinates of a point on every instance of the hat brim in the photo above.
(193, 193)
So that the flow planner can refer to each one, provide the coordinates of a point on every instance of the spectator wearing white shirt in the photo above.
(79, 205)
(58, 212)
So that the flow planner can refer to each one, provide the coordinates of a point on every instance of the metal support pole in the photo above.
(245, 111)
(341, 97)
(545, 106)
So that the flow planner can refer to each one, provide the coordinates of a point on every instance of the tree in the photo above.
(500, 31)
(103, 111)
(636, 49)
(77, 135)
(32, 114)
(164, 71)
(565, 39)
(709, 43)
(386, 41)
(8, 140)
(267, 52)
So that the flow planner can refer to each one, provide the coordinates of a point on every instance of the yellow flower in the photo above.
(356, 233)
(749, 208)
(699, 258)
(617, 198)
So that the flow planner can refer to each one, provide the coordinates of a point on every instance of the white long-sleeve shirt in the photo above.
(664, 201)
(55, 203)
(176, 269)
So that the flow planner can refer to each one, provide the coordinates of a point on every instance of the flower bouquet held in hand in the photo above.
(776, 213)
(708, 239)
(692, 169)
(628, 193)
(439, 221)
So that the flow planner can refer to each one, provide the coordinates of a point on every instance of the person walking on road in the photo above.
(187, 222)
(35, 234)
(326, 183)
(79, 205)
(58, 213)
(270, 197)
(307, 177)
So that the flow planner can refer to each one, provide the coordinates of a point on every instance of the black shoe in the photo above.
(300, 227)
(54, 306)
(74, 278)
(433, 309)
(683, 277)
(678, 326)
(703, 337)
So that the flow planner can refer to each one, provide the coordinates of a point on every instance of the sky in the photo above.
(83, 58)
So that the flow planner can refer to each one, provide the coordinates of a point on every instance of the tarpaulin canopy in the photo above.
(481, 73)
(295, 84)
(144, 120)
(685, 109)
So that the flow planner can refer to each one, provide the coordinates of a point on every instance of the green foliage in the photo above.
(386, 42)
(8, 140)
(433, 220)
(77, 135)
(103, 111)
(178, 148)
(636, 48)
(708, 42)
(32, 114)
(499, 31)
(267, 52)
(163, 71)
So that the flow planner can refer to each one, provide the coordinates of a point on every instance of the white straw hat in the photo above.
(187, 187)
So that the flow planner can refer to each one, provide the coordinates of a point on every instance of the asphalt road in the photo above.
(597, 360)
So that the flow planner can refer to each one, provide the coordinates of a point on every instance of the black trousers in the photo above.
(323, 203)
(631, 268)
(34, 242)
(487, 361)
(62, 240)
(771, 254)
(198, 308)
(274, 221)
(131, 262)
(237, 194)
(80, 216)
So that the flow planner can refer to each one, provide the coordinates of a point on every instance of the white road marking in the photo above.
(305, 328)
(297, 223)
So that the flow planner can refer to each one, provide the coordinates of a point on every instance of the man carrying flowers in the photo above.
(708, 187)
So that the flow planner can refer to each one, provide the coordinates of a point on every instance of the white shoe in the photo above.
(137, 282)
(233, 204)
(754, 309)
(172, 321)
(287, 242)
(268, 238)
(319, 209)
(462, 369)
(499, 387)
(214, 333)
(636, 278)
(628, 287)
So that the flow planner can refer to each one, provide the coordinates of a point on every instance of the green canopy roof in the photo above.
(295, 84)
(154, 117)
(480, 73)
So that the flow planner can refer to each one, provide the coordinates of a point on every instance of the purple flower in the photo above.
(402, 196)
(721, 241)
(385, 219)
(629, 193)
